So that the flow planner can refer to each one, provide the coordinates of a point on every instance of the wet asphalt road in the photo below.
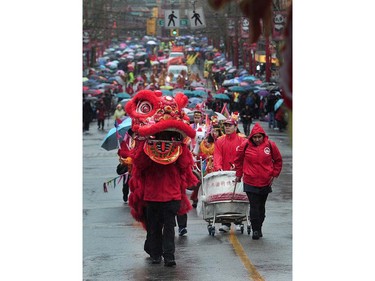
(113, 240)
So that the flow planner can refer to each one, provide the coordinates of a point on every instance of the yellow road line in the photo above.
(253, 273)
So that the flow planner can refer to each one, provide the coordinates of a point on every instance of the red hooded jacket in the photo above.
(225, 151)
(258, 164)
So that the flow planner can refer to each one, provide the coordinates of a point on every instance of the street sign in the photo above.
(171, 18)
(196, 18)
(184, 22)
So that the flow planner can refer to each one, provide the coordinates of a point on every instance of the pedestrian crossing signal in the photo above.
(174, 32)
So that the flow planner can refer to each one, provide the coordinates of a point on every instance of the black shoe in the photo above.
(260, 233)
(182, 231)
(156, 260)
(169, 262)
(255, 235)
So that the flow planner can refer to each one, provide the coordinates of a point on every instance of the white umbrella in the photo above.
(151, 42)
(220, 116)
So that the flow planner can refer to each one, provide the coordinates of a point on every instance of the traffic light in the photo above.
(174, 32)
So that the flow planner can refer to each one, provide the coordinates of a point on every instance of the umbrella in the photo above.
(90, 98)
(220, 116)
(263, 93)
(186, 110)
(211, 113)
(167, 93)
(192, 94)
(194, 101)
(116, 135)
(244, 83)
(124, 101)
(199, 93)
(120, 72)
(123, 96)
(278, 104)
(231, 82)
(249, 78)
(166, 87)
(238, 89)
(186, 93)
(93, 92)
(221, 97)
(151, 42)
(196, 84)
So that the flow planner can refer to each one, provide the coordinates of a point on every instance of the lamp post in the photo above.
(268, 60)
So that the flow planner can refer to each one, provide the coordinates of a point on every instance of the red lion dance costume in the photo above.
(161, 159)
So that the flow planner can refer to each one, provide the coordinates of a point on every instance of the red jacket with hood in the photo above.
(225, 151)
(258, 164)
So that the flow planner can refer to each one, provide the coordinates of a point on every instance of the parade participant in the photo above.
(215, 128)
(197, 123)
(200, 129)
(126, 157)
(162, 168)
(119, 114)
(258, 161)
(225, 151)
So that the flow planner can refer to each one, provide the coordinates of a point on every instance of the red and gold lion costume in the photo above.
(161, 157)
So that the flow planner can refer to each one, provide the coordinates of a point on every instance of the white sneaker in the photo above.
(224, 228)
(238, 227)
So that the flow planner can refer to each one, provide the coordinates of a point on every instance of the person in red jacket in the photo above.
(225, 151)
(258, 161)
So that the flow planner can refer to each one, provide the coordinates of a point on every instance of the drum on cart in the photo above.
(222, 200)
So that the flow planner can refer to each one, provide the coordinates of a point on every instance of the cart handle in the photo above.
(234, 190)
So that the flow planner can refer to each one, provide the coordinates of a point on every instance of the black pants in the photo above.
(161, 220)
(101, 123)
(257, 209)
(182, 221)
(246, 127)
(125, 188)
